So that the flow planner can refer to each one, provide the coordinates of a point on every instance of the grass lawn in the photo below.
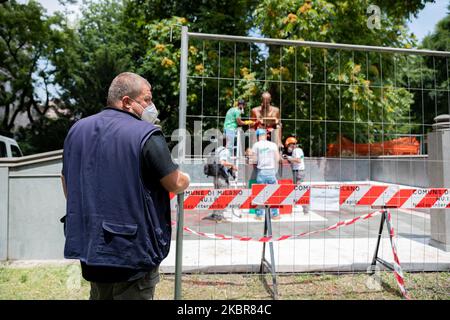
(65, 282)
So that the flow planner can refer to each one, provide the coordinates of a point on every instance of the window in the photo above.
(2, 150)
(16, 151)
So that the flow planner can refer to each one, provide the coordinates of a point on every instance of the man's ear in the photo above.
(126, 103)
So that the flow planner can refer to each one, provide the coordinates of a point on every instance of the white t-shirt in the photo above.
(222, 154)
(297, 153)
(266, 153)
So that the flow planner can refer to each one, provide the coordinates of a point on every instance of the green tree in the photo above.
(102, 48)
(340, 93)
(28, 40)
(160, 22)
(432, 75)
(212, 16)
(114, 36)
(364, 96)
(93, 51)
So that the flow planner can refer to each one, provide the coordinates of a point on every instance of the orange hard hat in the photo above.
(289, 141)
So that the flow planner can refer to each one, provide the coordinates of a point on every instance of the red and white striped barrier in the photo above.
(366, 195)
(289, 194)
(215, 199)
(356, 195)
(360, 195)
(220, 199)
(412, 198)
(395, 197)
(280, 194)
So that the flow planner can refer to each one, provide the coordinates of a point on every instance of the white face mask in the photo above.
(150, 113)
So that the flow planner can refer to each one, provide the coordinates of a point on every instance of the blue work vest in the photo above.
(113, 218)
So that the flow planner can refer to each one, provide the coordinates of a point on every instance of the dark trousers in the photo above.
(299, 177)
(219, 183)
(140, 289)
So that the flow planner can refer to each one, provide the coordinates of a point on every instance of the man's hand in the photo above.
(187, 176)
(176, 182)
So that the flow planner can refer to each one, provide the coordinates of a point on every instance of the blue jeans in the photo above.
(266, 177)
(230, 135)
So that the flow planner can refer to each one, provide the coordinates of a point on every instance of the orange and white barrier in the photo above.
(215, 199)
(434, 198)
(395, 197)
(289, 194)
(366, 195)
(280, 194)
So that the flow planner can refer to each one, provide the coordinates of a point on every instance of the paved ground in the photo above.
(409, 223)
(347, 249)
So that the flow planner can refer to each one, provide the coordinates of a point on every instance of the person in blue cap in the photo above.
(267, 157)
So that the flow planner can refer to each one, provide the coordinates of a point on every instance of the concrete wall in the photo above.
(31, 191)
(3, 213)
(330, 169)
(32, 200)
(405, 170)
(34, 227)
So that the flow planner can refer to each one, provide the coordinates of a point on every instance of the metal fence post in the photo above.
(181, 157)
(179, 246)
(183, 92)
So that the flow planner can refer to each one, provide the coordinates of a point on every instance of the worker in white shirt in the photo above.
(267, 157)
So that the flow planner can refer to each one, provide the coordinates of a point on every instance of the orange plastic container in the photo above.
(399, 146)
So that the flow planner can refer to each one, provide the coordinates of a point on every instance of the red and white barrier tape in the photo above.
(397, 268)
(283, 237)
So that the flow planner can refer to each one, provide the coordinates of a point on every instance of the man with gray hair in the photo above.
(117, 175)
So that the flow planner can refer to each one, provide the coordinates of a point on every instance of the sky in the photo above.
(428, 17)
(53, 5)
